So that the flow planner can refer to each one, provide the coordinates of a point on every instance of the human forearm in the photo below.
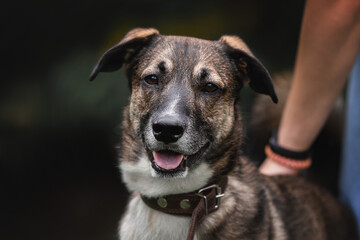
(328, 45)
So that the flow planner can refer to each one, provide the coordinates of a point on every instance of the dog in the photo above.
(181, 141)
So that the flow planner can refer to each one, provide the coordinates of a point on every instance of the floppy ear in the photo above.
(122, 52)
(257, 75)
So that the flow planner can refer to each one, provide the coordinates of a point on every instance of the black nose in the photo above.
(168, 129)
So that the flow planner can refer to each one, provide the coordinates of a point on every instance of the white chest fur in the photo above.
(143, 223)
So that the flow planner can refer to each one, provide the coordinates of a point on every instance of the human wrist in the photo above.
(292, 139)
(298, 153)
(281, 160)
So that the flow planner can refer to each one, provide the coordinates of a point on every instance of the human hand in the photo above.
(270, 167)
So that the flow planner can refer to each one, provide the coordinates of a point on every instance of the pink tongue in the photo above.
(167, 160)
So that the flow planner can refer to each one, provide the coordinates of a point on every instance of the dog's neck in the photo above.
(184, 204)
(197, 204)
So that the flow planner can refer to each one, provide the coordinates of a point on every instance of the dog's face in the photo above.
(182, 108)
(182, 102)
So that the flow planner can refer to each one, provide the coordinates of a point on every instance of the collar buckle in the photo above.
(218, 196)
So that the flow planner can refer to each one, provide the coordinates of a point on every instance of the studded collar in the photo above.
(196, 204)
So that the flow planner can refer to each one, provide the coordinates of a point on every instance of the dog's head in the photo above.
(182, 119)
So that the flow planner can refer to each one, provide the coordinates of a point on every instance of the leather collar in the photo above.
(196, 204)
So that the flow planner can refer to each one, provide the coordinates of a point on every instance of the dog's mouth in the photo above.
(168, 162)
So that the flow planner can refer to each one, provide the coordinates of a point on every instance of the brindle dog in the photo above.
(182, 129)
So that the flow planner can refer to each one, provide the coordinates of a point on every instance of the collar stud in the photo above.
(185, 204)
(162, 202)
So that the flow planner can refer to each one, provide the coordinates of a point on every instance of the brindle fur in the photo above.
(254, 206)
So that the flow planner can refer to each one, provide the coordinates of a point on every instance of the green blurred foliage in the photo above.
(77, 99)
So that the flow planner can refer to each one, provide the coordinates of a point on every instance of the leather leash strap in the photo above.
(197, 204)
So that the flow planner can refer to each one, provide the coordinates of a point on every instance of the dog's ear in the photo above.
(125, 50)
(258, 77)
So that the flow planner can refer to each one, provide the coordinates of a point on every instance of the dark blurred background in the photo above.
(58, 169)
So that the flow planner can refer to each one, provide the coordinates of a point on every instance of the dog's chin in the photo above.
(172, 164)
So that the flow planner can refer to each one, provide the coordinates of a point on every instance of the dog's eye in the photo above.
(210, 88)
(151, 79)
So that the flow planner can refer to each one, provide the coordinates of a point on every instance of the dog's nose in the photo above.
(168, 129)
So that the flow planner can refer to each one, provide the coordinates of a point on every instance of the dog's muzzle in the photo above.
(172, 143)
(168, 129)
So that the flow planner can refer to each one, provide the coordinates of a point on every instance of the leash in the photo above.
(197, 204)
